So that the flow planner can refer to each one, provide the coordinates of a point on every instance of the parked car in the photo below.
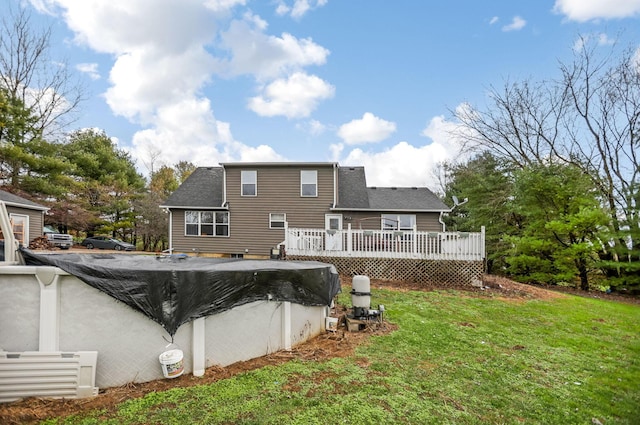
(105, 242)
(59, 240)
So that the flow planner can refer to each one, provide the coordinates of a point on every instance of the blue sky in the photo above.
(358, 82)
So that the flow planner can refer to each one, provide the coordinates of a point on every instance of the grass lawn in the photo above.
(456, 358)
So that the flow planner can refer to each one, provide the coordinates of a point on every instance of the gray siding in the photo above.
(278, 191)
(36, 220)
(426, 222)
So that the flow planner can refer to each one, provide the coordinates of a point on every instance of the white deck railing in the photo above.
(385, 244)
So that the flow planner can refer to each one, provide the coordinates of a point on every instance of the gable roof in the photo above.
(202, 189)
(18, 201)
(404, 199)
(352, 188)
(353, 194)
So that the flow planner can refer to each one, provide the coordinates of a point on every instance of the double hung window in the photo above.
(249, 182)
(309, 183)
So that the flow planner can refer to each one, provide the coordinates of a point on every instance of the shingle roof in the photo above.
(353, 193)
(15, 200)
(404, 198)
(203, 189)
(352, 188)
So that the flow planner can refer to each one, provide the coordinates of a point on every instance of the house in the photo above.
(26, 217)
(245, 209)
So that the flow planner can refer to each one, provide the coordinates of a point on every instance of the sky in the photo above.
(368, 83)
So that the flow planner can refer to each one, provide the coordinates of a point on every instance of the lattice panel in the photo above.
(441, 272)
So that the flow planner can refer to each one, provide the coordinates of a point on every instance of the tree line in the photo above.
(90, 185)
(554, 173)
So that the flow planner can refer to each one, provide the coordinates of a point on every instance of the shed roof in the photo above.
(19, 201)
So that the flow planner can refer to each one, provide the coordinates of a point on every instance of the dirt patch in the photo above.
(332, 344)
(494, 286)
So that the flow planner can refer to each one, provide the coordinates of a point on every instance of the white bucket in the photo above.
(171, 362)
(331, 323)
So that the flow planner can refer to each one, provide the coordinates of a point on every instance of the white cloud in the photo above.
(605, 40)
(582, 11)
(313, 127)
(91, 69)
(185, 131)
(517, 23)
(636, 59)
(266, 56)
(164, 54)
(293, 97)
(493, 20)
(223, 6)
(404, 164)
(299, 7)
(368, 129)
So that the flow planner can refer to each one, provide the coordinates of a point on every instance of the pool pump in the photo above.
(361, 300)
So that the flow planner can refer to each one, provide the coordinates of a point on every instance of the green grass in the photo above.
(455, 359)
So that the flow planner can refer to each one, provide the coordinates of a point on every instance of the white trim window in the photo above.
(398, 222)
(206, 223)
(277, 220)
(309, 183)
(249, 182)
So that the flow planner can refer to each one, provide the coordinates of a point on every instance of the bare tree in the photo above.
(28, 74)
(589, 117)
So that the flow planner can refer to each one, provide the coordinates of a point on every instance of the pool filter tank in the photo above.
(361, 299)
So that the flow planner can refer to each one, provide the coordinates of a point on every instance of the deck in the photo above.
(410, 244)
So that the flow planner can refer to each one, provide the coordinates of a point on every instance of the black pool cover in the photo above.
(173, 290)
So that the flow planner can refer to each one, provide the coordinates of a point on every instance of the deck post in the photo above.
(482, 244)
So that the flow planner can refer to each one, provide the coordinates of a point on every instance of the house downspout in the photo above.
(444, 228)
(456, 203)
(335, 185)
(170, 231)
(224, 186)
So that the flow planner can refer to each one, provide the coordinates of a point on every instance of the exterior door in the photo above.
(333, 232)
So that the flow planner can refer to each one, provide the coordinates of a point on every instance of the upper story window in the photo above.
(206, 223)
(398, 221)
(249, 182)
(309, 183)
